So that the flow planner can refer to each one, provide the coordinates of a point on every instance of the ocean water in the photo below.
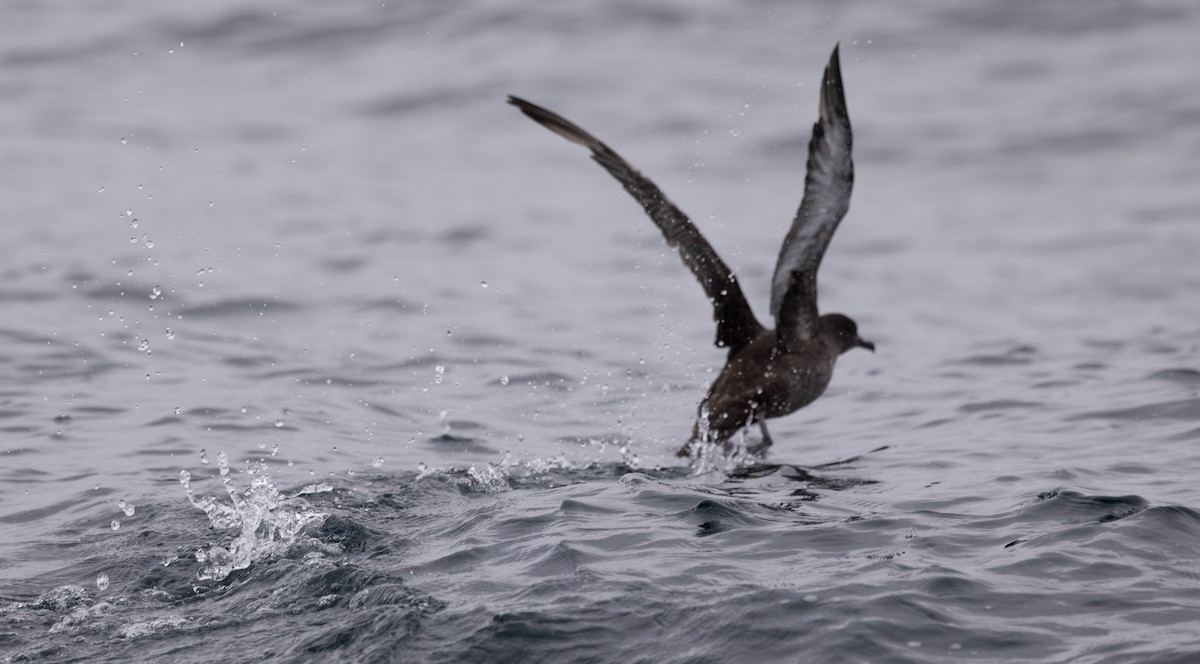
(315, 350)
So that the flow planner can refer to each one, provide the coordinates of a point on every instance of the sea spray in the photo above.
(267, 522)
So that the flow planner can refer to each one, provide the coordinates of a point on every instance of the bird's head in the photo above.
(843, 331)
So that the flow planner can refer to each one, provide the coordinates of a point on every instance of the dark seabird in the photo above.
(768, 373)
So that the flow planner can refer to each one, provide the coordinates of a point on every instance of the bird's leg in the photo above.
(761, 447)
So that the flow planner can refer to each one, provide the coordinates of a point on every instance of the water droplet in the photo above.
(100, 190)
(102, 579)
(504, 380)
(128, 509)
(116, 525)
(170, 333)
(178, 410)
(278, 424)
(144, 345)
(203, 456)
(421, 467)
(483, 283)
(439, 371)
(275, 449)
(377, 462)
(124, 141)
(155, 292)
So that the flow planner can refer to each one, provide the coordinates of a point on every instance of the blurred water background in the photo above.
(315, 350)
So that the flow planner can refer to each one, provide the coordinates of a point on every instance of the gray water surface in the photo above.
(448, 359)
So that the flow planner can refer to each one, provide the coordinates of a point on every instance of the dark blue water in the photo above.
(315, 350)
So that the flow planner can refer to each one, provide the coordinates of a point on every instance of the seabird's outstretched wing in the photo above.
(826, 199)
(736, 324)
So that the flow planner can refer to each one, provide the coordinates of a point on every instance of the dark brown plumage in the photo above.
(767, 373)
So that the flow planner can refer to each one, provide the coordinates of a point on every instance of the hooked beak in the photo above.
(863, 343)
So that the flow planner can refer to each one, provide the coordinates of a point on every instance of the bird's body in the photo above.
(768, 373)
(760, 382)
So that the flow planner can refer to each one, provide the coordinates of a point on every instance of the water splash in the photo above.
(60, 599)
(490, 478)
(496, 477)
(720, 459)
(267, 521)
(706, 457)
(320, 487)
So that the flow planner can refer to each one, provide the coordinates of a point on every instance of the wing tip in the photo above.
(527, 107)
(833, 96)
(556, 123)
(835, 62)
